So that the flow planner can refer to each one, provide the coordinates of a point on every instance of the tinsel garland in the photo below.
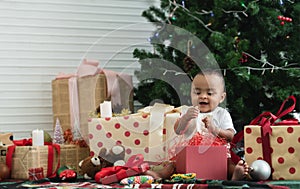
(206, 139)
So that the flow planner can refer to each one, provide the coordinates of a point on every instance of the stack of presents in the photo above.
(94, 109)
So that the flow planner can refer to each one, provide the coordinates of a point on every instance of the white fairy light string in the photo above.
(249, 68)
(188, 12)
(263, 59)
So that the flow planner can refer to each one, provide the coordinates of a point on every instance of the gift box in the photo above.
(23, 159)
(71, 155)
(275, 140)
(36, 173)
(208, 162)
(140, 133)
(61, 102)
(284, 149)
(75, 96)
(91, 92)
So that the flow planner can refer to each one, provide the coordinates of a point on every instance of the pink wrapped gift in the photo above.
(208, 162)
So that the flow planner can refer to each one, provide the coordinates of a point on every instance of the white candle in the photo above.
(105, 109)
(37, 137)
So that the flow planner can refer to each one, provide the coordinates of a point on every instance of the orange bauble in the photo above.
(4, 171)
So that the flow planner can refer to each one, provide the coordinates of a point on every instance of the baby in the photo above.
(207, 92)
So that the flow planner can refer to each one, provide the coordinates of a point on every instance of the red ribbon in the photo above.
(134, 166)
(266, 120)
(27, 142)
(51, 173)
(135, 161)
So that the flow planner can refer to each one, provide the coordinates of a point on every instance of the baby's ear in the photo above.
(223, 96)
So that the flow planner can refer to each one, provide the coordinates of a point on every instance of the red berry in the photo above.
(282, 23)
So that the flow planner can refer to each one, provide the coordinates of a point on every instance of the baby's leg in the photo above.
(230, 168)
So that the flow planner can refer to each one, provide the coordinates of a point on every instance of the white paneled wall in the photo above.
(40, 38)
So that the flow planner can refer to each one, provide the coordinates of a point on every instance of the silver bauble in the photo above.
(260, 170)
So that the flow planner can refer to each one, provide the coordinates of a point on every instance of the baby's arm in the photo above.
(226, 134)
(182, 123)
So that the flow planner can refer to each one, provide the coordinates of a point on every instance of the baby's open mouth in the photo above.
(203, 103)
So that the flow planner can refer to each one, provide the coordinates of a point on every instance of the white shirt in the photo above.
(221, 118)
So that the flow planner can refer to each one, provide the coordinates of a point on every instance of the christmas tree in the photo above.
(255, 44)
(58, 137)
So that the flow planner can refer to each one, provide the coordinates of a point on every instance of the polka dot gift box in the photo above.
(284, 149)
(141, 133)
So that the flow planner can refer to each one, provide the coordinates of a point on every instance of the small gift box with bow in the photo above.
(35, 173)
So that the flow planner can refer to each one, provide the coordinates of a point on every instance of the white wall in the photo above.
(40, 38)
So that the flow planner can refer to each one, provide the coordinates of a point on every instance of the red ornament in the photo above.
(283, 18)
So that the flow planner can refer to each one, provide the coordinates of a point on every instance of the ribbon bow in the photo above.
(134, 166)
(27, 142)
(267, 119)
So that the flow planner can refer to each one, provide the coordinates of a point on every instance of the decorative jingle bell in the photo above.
(260, 170)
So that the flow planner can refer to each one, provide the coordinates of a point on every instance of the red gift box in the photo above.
(208, 162)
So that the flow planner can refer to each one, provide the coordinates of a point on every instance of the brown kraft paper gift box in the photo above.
(26, 157)
(91, 92)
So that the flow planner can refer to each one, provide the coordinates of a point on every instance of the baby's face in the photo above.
(207, 92)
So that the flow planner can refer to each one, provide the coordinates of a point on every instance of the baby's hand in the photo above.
(209, 123)
(182, 125)
(191, 113)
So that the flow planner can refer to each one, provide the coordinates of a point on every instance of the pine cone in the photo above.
(188, 64)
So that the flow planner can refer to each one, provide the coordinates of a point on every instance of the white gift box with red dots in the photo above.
(285, 149)
(139, 133)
